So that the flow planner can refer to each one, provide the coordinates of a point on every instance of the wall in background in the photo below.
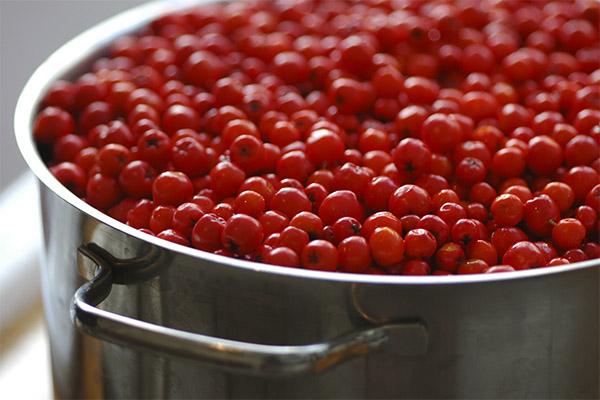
(30, 30)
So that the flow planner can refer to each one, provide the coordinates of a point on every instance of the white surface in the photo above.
(20, 247)
(25, 371)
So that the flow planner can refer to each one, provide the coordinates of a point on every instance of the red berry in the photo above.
(339, 204)
(524, 255)
(387, 246)
(324, 147)
(449, 256)
(543, 155)
(472, 266)
(102, 191)
(416, 267)
(568, 233)
(72, 176)
(51, 124)
(172, 187)
(319, 255)
(541, 215)
(206, 233)
(354, 254)
(419, 243)
(242, 234)
(412, 157)
(226, 178)
(410, 199)
(507, 209)
(283, 256)
(441, 133)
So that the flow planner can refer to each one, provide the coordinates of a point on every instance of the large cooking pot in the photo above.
(133, 316)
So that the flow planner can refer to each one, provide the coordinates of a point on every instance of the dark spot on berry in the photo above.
(254, 106)
(466, 240)
(233, 246)
(417, 34)
(313, 258)
(152, 142)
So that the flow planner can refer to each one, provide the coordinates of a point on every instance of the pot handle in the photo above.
(402, 338)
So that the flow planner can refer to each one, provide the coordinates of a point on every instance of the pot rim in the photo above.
(89, 45)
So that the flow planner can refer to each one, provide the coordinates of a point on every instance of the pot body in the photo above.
(529, 337)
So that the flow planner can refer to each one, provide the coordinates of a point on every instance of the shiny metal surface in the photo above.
(236, 356)
(528, 334)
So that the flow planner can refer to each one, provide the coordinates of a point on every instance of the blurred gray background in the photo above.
(30, 30)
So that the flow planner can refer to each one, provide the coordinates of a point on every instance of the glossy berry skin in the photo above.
(242, 234)
(273, 222)
(173, 236)
(155, 147)
(225, 178)
(509, 162)
(412, 157)
(249, 202)
(378, 191)
(416, 267)
(344, 228)
(136, 179)
(543, 155)
(507, 209)
(190, 156)
(524, 255)
(319, 255)
(465, 232)
(581, 179)
(206, 233)
(419, 243)
(472, 266)
(449, 256)
(102, 191)
(499, 268)
(290, 201)
(409, 199)
(387, 246)
(379, 220)
(568, 233)
(139, 215)
(172, 188)
(339, 204)
(440, 133)
(161, 218)
(51, 124)
(294, 238)
(437, 226)
(283, 256)
(324, 147)
(203, 67)
(470, 170)
(541, 214)
(120, 210)
(354, 254)
(308, 222)
(450, 213)
(561, 194)
(483, 250)
(72, 176)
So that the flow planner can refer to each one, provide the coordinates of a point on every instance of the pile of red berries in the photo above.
(377, 136)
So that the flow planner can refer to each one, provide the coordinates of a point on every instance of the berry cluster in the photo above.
(378, 136)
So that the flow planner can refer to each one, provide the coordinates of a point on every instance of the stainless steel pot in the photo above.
(132, 316)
